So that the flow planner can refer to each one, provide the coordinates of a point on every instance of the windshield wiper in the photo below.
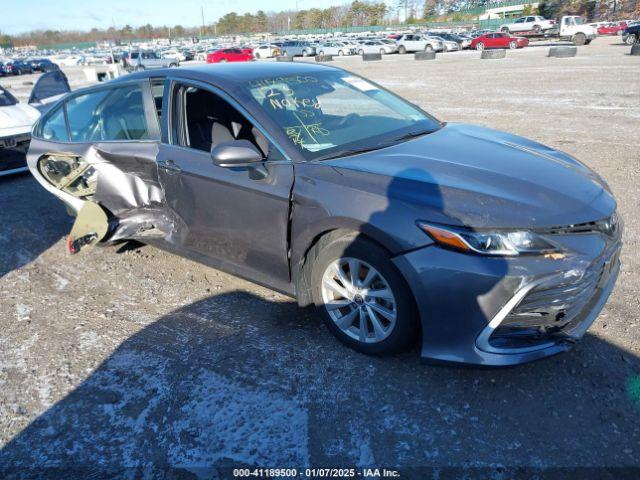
(349, 152)
(408, 135)
(378, 146)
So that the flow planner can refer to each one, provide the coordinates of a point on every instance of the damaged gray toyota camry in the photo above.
(486, 247)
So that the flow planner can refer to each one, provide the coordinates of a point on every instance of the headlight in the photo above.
(499, 243)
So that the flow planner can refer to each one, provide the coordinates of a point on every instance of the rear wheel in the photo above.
(537, 29)
(340, 53)
(428, 48)
(382, 52)
(504, 29)
(513, 45)
(480, 46)
(631, 39)
(365, 301)
(402, 50)
(305, 53)
(321, 53)
(361, 52)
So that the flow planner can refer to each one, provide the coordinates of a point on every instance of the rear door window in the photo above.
(107, 115)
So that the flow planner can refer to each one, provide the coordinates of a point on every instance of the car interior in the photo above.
(210, 120)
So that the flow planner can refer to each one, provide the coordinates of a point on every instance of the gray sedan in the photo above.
(480, 246)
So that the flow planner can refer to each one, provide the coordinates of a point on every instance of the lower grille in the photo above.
(552, 309)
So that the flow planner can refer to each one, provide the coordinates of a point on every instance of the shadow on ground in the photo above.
(24, 235)
(235, 380)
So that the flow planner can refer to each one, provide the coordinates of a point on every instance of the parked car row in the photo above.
(23, 67)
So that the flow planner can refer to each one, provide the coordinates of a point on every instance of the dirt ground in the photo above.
(131, 358)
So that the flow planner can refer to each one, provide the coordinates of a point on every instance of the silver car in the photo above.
(293, 48)
(144, 60)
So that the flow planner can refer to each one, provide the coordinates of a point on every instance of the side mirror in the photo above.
(237, 153)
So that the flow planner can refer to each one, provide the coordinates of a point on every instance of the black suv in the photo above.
(631, 34)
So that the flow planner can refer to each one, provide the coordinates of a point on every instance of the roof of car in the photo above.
(232, 72)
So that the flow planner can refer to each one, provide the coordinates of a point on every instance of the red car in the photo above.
(612, 28)
(229, 55)
(498, 40)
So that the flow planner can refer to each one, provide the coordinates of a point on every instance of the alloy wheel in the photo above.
(359, 300)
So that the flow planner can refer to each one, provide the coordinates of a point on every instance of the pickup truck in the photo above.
(414, 42)
(631, 34)
(531, 23)
(570, 27)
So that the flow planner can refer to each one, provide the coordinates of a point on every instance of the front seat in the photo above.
(220, 134)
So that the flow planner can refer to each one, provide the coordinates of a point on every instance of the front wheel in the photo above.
(365, 301)
(402, 49)
(321, 53)
(504, 29)
(360, 52)
(513, 45)
(305, 53)
(382, 51)
(579, 39)
(537, 29)
(340, 53)
(631, 39)
(428, 48)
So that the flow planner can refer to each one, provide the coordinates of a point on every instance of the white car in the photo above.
(334, 48)
(174, 54)
(17, 119)
(531, 23)
(414, 42)
(376, 46)
(266, 51)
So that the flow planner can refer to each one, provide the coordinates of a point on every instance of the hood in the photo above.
(18, 115)
(478, 177)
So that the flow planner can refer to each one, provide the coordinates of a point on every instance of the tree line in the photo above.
(356, 13)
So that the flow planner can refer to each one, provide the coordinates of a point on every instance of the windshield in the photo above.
(335, 113)
(578, 20)
(6, 99)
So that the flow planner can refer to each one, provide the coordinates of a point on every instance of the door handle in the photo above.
(169, 165)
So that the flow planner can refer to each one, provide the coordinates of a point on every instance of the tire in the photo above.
(480, 46)
(222, 60)
(361, 52)
(340, 53)
(579, 39)
(305, 53)
(504, 29)
(139, 68)
(513, 45)
(428, 48)
(537, 29)
(402, 50)
(321, 53)
(631, 39)
(382, 51)
(396, 326)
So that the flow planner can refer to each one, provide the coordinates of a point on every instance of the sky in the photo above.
(24, 15)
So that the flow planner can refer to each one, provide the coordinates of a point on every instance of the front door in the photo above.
(236, 218)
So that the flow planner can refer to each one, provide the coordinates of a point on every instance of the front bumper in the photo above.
(13, 153)
(499, 311)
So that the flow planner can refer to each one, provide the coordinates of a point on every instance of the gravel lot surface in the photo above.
(128, 357)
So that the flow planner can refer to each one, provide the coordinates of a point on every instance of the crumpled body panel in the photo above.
(122, 178)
